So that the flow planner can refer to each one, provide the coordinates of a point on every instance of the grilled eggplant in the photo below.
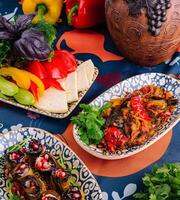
(34, 150)
(22, 170)
(51, 195)
(33, 187)
(73, 193)
(45, 164)
(61, 179)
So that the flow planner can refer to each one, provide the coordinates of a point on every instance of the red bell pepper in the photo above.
(85, 13)
(68, 61)
(37, 69)
(48, 82)
(34, 90)
(54, 68)
(114, 137)
(138, 107)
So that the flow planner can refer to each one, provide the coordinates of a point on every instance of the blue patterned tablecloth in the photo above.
(114, 71)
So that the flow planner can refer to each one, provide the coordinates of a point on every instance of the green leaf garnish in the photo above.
(90, 123)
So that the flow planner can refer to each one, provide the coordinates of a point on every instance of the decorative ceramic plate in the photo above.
(71, 106)
(128, 86)
(56, 147)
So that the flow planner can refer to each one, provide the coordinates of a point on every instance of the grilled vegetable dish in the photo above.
(37, 175)
(127, 121)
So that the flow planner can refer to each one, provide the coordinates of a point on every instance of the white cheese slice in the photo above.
(71, 87)
(53, 100)
(82, 79)
(90, 70)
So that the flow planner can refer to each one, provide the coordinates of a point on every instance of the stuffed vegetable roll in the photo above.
(33, 187)
(61, 178)
(34, 149)
(12, 160)
(22, 170)
(51, 195)
(44, 164)
(73, 193)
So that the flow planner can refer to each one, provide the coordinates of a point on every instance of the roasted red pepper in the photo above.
(114, 138)
(138, 107)
(85, 13)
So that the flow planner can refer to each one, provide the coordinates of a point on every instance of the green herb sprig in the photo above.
(90, 123)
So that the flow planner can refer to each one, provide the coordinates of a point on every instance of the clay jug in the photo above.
(134, 34)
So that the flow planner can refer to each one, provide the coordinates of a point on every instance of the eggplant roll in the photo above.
(61, 179)
(44, 164)
(34, 149)
(15, 157)
(51, 195)
(33, 187)
(73, 193)
(22, 170)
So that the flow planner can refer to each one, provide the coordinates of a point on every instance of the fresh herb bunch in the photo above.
(90, 123)
(47, 29)
(5, 49)
(21, 40)
(162, 184)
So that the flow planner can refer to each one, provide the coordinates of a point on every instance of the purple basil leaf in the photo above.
(32, 45)
(5, 25)
(23, 22)
(4, 35)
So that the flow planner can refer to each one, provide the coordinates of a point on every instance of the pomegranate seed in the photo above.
(38, 165)
(46, 156)
(76, 195)
(46, 165)
(14, 156)
(60, 173)
(22, 167)
(35, 146)
(45, 198)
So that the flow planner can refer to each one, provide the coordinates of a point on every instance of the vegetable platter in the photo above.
(129, 117)
(33, 75)
(38, 157)
(70, 108)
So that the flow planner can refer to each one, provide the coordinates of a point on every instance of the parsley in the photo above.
(162, 184)
(90, 123)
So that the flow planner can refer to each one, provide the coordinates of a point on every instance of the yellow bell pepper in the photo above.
(36, 80)
(23, 78)
(52, 9)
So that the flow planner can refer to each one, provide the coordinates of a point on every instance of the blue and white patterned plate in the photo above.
(164, 81)
(87, 183)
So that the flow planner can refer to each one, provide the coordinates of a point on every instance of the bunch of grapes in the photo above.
(157, 15)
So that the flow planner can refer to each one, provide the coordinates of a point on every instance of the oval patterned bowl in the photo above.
(128, 86)
(87, 183)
